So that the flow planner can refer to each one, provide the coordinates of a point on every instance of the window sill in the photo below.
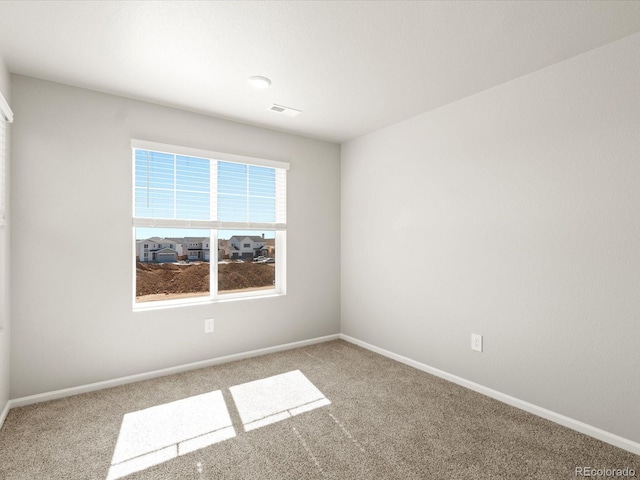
(191, 302)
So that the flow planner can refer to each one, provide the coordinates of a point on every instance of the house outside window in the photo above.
(186, 199)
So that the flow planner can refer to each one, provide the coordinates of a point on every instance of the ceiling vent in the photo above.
(289, 112)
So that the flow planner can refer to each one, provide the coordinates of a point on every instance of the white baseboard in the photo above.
(563, 420)
(66, 392)
(5, 412)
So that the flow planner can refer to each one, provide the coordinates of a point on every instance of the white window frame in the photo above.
(213, 226)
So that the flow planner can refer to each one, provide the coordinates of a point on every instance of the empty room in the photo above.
(426, 217)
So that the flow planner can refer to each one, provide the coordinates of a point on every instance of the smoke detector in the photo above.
(288, 111)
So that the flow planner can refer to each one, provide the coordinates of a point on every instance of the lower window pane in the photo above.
(172, 263)
(246, 261)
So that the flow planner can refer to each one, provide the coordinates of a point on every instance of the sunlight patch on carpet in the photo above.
(276, 398)
(155, 435)
(159, 434)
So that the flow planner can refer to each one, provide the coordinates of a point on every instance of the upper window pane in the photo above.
(178, 187)
(246, 193)
(172, 186)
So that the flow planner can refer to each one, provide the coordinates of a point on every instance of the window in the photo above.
(186, 200)
(6, 116)
(3, 168)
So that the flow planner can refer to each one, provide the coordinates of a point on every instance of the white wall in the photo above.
(4, 276)
(516, 215)
(72, 318)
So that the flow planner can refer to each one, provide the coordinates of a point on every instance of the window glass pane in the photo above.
(152, 203)
(263, 210)
(246, 193)
(192, 206)
(154, 187)
(262, 182)
(172, 186)
(232, 209)
(160, 168)
(192, 188)
(172, 263)
(246, 261)
(232, 178)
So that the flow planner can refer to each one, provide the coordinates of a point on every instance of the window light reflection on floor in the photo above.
(155, 435)
(276, 398)
(158, 434)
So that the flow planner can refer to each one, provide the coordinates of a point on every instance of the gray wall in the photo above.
(4, 274)
(513, 213)
(72, 317)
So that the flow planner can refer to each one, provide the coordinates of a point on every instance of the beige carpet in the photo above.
(327, 411)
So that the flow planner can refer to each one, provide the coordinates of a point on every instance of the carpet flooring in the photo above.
(326, 411)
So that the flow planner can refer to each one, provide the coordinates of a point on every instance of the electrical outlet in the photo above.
(208, 325)
(476, 342)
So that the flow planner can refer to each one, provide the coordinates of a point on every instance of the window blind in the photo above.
(6, 116)
(176, 190)
(3, 170)
(172, 186)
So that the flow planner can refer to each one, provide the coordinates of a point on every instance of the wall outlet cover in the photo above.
(208, 325)
(476, 342)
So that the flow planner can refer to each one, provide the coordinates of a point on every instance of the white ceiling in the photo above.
(351, 67)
